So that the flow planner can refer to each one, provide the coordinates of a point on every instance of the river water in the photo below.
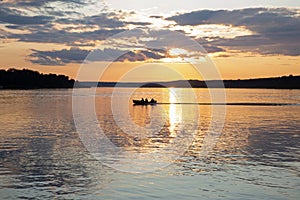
(43, 154)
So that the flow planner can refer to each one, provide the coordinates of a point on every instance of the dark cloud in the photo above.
(103, 20)
(238, 17)
(261, 44)
(14, 17)
(276, 30)
(61, 57)
(156, 17)
(142, 55)
(35, 3)
(213, 49)
(77, 55)
(64, 37)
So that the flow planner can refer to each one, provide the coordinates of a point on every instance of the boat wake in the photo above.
(237, 104)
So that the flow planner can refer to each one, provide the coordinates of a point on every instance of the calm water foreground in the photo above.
(257, 156)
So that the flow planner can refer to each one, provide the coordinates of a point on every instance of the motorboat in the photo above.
(143, 102)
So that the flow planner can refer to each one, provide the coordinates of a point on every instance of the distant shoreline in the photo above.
(284, 82)
(29, 80)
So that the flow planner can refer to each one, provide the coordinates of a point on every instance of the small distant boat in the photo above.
(141, 102)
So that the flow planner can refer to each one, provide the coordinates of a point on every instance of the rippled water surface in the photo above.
(257, 155)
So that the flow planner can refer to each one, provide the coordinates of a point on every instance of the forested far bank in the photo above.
(29, 79)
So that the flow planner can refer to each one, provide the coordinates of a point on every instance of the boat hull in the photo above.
(138, 102)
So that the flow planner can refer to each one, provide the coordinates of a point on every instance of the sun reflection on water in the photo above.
(174, 112)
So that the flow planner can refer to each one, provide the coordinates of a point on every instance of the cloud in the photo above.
(77, 55)
(43, 23)
(248, 16)
(61, 57)
(13, 17)
(213, 49)
(141, 55)
(276, 30)
(35, 3)
(64, 37)
(104, 20)
(156, 17)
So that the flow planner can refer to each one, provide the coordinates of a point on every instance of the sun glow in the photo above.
(213, 30)
(177, 52)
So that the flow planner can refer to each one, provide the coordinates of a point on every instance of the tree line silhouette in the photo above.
(29, 79)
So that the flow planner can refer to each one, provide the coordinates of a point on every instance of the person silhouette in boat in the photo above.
(152, 100)
(146, 100)
(143, 100)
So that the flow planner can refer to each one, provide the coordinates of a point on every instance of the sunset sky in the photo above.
(244, 39)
